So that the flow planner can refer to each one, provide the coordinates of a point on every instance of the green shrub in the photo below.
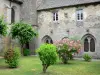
(3, 27)
(11, 58)
(23, 32)
(86, 57)
(48, 55)
(26, 52)
(65, 53)
(18, 50)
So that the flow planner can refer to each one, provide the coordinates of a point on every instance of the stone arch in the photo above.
(89, 42)
(88, 35)
(47, 39)
(64, 38)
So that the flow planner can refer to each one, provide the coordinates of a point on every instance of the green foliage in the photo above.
(65, 53)
(48, 55)
(3, 27)
(22, 31)
(11, 58)
(17, 49)
(87, 57)
(26, 52)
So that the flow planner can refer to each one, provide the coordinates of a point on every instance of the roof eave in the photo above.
(92, 3)
(16, 1)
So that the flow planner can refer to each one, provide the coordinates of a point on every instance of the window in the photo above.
(89, 44)
(47, 39)
(55, 16)
(92, 45)
(80, 15)
(86, 45)
(12, 15)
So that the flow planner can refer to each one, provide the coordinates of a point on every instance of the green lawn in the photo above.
(32, 66)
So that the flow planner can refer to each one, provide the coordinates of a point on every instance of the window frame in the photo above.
(79, 15)
(90, 39)
(55, 16)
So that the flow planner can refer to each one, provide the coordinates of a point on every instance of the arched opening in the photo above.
(12, 15)
(47, 39)
(92, 45)
(64, 38)
(89, 43)
(86, 45)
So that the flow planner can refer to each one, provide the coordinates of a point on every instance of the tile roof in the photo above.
(48, 4)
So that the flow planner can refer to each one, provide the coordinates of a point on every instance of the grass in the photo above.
(32, 66)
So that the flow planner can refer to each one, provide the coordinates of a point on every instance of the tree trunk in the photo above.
(45, 67)
(65, 58)
(22, 49)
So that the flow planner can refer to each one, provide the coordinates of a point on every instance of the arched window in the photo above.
(47, 39)
(89, 43)
(12, 15)
(92, 45)
(86, 45)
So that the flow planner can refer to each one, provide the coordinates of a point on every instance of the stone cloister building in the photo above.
(79, 19)
(58, 19)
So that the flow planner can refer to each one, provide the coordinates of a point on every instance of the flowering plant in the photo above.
(66, 48)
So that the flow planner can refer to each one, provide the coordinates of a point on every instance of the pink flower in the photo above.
(71, 43)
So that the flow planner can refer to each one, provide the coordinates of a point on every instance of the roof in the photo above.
(49, 4)
(17, 1)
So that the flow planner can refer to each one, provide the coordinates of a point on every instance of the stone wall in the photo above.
(5, 10)
(28, 12)
(29, 15)
(67, 25)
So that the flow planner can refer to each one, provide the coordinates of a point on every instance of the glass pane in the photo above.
(53, 16)
(81, 16)
(78, 16)
(51, 42)
(86, 45)
(12, 15)
(56, 16)
(47, 41)
(92, 45)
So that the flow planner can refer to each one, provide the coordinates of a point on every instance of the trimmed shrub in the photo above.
(86, 57)
(48, 55)
(11, 58)
(26, 52)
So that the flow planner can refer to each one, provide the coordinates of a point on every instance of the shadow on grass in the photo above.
(69, 63)
(6, 68)
(48, 73)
